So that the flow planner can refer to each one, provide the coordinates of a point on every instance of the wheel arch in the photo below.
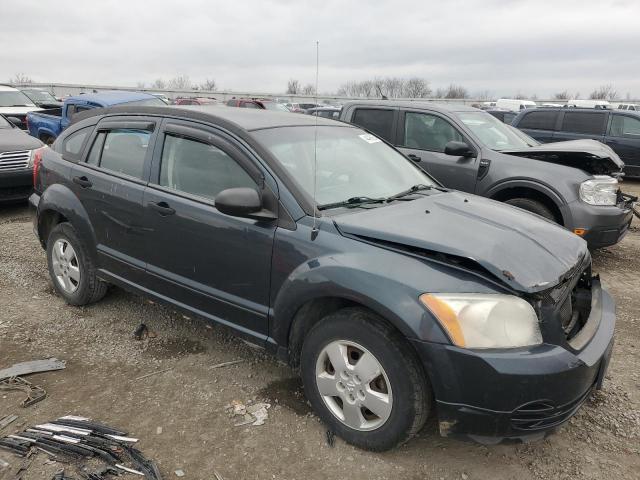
(531, 190)
(59, 204)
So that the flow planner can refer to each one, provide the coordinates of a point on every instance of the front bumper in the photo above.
(15, 185)
(605, 226)
(520, 394)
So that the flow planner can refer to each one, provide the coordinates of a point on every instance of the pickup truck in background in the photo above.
(46, 125)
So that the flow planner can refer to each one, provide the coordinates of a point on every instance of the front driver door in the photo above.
(216, 265)
(423, 137)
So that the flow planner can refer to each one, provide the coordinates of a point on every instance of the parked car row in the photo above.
(396, 297)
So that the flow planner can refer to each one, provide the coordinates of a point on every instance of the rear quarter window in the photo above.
(375, 120)
(73, 144)
(538, 120)
(588, 123)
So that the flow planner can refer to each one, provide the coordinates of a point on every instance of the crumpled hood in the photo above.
(525, 251)
(590, 155)
(12, 139)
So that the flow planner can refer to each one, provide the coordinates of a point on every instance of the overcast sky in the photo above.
(501, 46)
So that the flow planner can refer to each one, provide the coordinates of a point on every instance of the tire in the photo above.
(47, 140)
(532, 206)
(402, 381)
(72, 271)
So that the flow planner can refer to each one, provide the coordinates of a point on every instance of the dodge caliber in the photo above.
(396, 298)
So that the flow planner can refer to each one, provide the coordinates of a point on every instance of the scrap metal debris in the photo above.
(11, 378)
(75, 440)
(34, 366)
(7, 420)
(255, 414)
(35, 393)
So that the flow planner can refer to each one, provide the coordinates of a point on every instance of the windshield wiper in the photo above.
(353, 201)
(414, 189)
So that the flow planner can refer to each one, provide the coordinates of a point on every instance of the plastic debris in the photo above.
(255, 414)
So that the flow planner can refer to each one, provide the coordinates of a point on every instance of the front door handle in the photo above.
(414, 157)
(162, 208)
(84, 182)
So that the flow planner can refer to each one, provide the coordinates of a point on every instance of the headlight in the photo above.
(485, 321)
(601, 190)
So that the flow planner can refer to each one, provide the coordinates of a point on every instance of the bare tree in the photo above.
(140, 85)
(456, 91)
(20, 79)
(483, 95)
(604, 92)
(308, 89)
(564, 95)
(209, 85)
(520, 96)
(416, 88)
(159, 83)
(181, 82)
(293, 87)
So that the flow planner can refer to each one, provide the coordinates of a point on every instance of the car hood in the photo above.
(590, 155)
(12, 139)
(520, 249)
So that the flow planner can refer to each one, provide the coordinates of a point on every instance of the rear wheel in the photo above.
(71, 269)
(533, 206)
(47, 140)
(363, 380)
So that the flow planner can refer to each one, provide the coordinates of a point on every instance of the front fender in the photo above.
(365, 279)
(60, 199)
(543, 188)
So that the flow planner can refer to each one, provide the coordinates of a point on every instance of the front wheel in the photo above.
(364, 381)
(532, 206)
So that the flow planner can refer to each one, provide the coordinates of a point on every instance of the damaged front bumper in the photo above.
(603, 226)
(518, 394)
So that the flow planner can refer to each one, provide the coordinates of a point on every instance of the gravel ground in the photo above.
(189, 399)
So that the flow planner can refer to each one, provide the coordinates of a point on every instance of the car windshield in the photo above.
(275, 106)
(350, 163)
(39, 95)
(492, 132)
(149, 102)
(15, 99)
(4, 123)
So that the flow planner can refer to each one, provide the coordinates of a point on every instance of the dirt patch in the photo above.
(108, 378)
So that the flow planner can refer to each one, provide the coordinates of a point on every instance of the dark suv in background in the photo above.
(620, 129)
(571, 183)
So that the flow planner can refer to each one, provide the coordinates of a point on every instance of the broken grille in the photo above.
(18, 160)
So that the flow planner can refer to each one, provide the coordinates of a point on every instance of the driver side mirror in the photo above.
(15, 121)
(458, 149)
(242, 202)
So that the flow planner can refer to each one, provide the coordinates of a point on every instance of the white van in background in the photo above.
(588, 103)
(515, 105)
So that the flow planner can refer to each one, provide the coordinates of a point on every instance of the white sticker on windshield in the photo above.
(367, 137)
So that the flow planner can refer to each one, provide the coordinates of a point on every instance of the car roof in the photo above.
(112, 97)
(241, 118)
(7, 88)
(437, 107)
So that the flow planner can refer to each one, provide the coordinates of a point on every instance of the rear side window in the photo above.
(538, 120)
(623, 126)
(73, 110)
(72, 145)
(121, 151)
(199, 169)
(375, 120)
(584, 122)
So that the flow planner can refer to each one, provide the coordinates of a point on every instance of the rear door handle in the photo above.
(162, 208)
(414, 157)
(84, 182)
